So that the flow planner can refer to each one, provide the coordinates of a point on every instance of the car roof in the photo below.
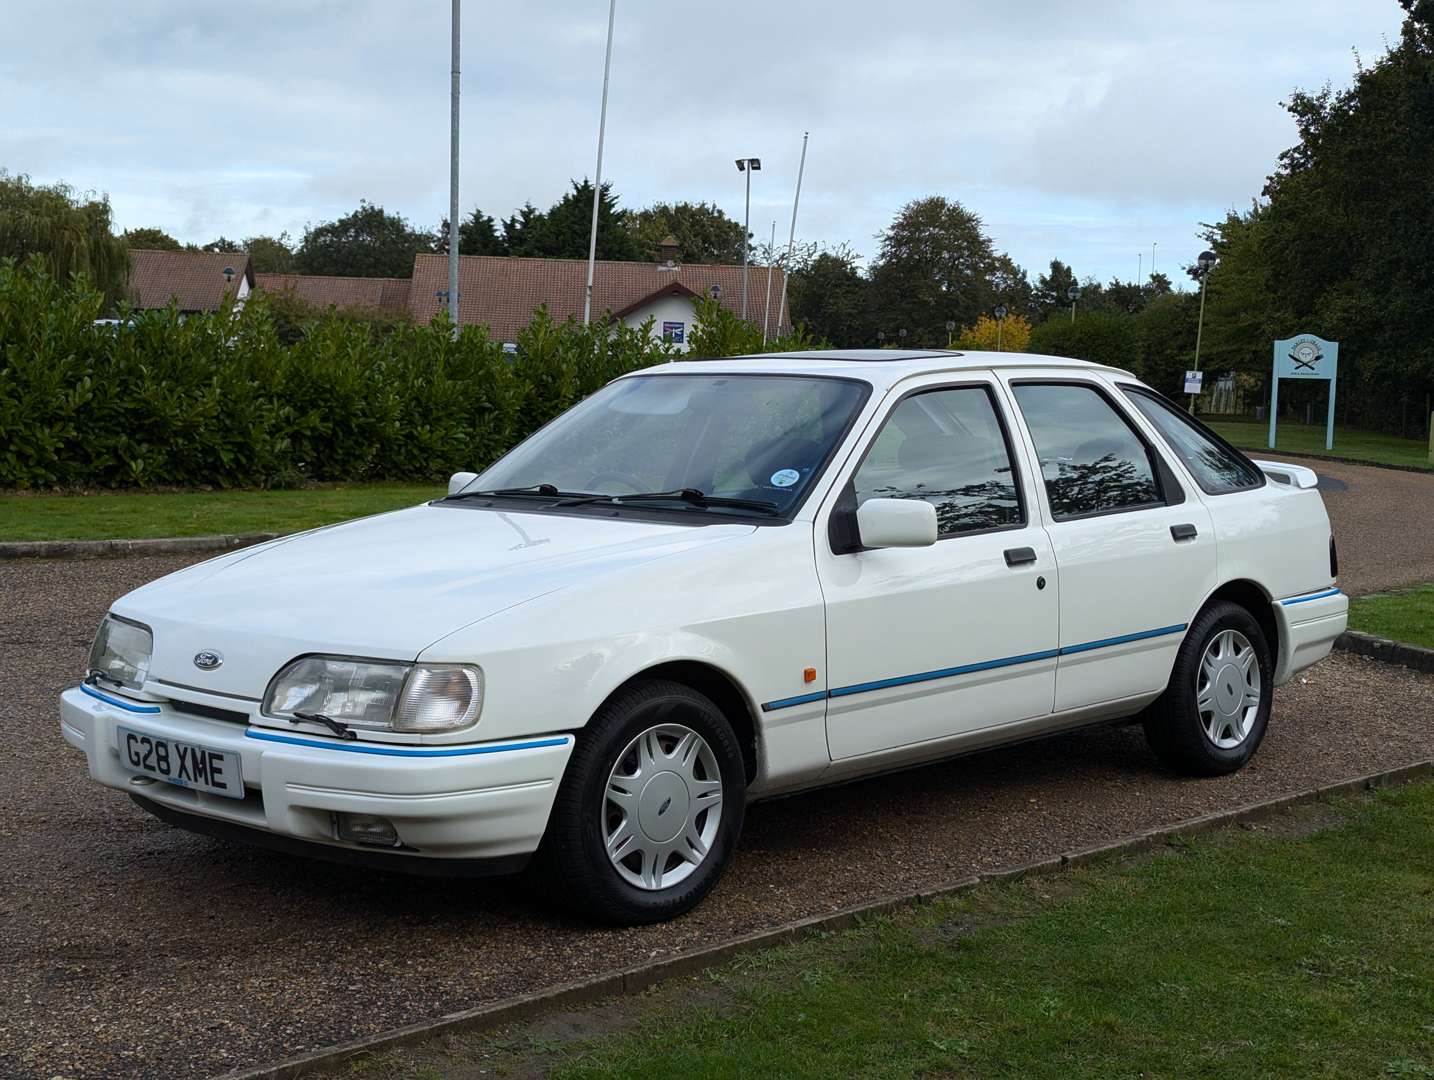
(881, 367)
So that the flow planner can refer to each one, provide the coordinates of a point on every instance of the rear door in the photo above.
(1136, 553)
(927, 643)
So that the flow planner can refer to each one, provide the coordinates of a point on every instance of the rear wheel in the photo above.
(1212, 716)
(650, 807)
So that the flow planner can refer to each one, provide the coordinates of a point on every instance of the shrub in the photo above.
(249, 398)
(1098, 336)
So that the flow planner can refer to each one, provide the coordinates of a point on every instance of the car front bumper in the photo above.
(470, 803)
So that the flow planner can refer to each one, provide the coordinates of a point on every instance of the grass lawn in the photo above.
(200, 513)
(1402, 616)
(1305, 439)
(1303, 948)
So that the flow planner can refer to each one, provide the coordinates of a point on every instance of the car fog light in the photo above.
(366, 829)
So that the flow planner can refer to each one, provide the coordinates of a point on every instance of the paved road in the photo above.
(130, 949)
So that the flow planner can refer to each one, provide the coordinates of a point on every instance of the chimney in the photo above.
(667, 253)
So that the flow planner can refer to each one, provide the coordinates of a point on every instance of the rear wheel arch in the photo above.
(723, 690)
(1254, 599)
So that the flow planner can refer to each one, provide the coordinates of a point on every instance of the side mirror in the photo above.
(460, 480)
(888, 523)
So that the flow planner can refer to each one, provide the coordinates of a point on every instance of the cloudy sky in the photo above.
(1086, 131)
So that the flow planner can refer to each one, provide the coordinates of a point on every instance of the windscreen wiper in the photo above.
(342, 730)
(536, 491)
(690, 496)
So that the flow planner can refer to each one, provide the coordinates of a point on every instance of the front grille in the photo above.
(209, 712)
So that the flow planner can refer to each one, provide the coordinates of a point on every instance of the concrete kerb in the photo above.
(636, 979)
(1390, 652)
(102, 549)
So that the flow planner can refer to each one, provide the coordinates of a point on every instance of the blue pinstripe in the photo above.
(966, 669)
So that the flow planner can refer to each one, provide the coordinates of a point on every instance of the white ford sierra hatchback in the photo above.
(713, 582)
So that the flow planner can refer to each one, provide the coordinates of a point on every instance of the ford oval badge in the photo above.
(207, 660)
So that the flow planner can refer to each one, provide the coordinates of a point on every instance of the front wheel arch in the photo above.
(724, 690)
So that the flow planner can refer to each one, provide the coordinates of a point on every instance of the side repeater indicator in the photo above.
(809, 674)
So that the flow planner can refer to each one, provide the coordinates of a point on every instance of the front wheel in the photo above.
(649, 809)
(1212, 716)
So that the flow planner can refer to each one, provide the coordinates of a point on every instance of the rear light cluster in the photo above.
(1333, 559)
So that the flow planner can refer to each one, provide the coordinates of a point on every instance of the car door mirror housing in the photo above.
(888, 523)
(460, 480)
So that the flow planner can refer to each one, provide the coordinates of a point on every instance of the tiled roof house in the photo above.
(388, 296)
(194, 280)
(502, 292)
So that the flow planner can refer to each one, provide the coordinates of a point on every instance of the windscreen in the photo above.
(758, 437)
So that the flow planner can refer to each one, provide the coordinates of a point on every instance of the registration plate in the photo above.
(183, 763)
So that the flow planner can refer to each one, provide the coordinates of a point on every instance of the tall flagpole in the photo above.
(771, 255)
(453, 185)
(792, 236)
(597, 183)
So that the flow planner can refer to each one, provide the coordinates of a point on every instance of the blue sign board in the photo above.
(1305, 357)
(674, 332)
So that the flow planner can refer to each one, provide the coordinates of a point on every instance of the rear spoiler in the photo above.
(1296, 476)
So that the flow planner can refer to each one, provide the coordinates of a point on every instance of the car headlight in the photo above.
(121, 652)
(378, 695)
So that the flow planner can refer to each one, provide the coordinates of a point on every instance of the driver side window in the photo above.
(948, 448)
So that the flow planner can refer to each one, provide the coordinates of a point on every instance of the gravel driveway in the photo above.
(1383, 522)
(128, 948)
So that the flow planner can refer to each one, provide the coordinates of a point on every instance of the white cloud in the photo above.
(1079, 131)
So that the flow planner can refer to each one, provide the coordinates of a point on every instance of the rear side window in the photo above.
(1217, 467)
(1092, 460)
(947, 447)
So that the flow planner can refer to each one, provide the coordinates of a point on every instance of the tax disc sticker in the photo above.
(785, 477)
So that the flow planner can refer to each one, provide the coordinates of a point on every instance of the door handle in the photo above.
(1183, 532)
(1020, 556)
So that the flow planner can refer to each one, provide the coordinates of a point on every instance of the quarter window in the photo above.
(1092, 461)
(1217, 467)
(948, 448)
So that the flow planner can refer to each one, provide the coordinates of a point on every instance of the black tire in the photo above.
(1173, 725)
(574, 858)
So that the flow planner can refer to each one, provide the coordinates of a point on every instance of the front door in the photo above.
(927, 643)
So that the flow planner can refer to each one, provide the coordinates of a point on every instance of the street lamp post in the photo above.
(1000, 314)
(1073, 294)
(1205, 263)
(748, 166)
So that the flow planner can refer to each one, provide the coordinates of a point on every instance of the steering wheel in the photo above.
(596, 482)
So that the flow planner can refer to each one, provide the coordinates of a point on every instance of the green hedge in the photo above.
(221, 400)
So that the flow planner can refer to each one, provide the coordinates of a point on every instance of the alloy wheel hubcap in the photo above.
(1227, 689)
(662, 807)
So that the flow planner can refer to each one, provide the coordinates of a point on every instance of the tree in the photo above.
(270, 254)
(1341, 243)
(369, 242)
(1012, 334)
(72, 234)
(1010, 285)
(477, 235)
(1052, 289)
(936, 264)
(831, 299)
(562, 231)
(519, 229)
(704, 234)
(149, 239)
